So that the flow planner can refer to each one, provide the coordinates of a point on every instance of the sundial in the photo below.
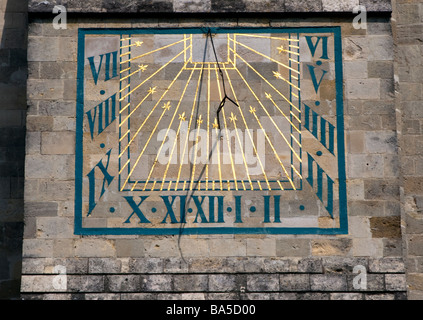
(210, 131)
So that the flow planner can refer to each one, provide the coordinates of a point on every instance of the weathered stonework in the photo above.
(212, 266)
(382, 97)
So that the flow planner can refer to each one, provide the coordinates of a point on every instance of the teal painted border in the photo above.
(343, 217)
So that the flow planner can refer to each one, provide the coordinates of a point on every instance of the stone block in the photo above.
(33, 248)
(227, 247)
(192, 6)
(381, 142)
(129, 248)
(365, 247)
(415, 245)
(346, 296)
(33, 143)
(59, 167)
(262, 282)
(365, 165)
(57, 70)
(309, 265)
(377, 5)
(104, 265)
(385, 227)
(45, 89)
(174, 265)
(39, 123)
(413, 185)
(303, 6)
(160, 248)
(395, 282)
(415, 281)
(381, 48)
(162, 282)
(355, 69)
(380, 69)
(392, 247)
(190, 282)
(53, 227)
(224, 283)
(294, 282)
(145, 265)
(293, 247)
(123, 283)
(332, 247)
(92, 248)
(355, 141)
(379, 296)
(339, 6)
(362, 89)
(261, 247)
(342, 265)
(102, 296)
(381, 190)
(313, 296)
(31, 283)
(324, 282)
(374, 282)
(85, 283)
(37, 49)
(63, 248)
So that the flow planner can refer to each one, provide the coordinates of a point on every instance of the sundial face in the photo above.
(210, 131)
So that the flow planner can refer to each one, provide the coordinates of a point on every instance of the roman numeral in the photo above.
(91, 179)
(102, 115)
(111, 64)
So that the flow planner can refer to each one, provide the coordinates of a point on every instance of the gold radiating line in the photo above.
(248, 132)
(189, 127)
(199, 121)
(265, 56)
(135, 109)
(279, 76)
(157, 71)
(208, 117)
(227, 137)
(271, 119)
(274, 151)
(218, 135)
(281, 94)
(176, 138)
(148, 116)
(150, 52)
(267, 37)
(286, 117)
(208, 128)
(270, 143)
(155, 127)
(233, 119)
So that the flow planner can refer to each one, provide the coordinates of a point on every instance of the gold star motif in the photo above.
(166, 106)
(268, 95)
(152, 90)
(252, 110)
(143, 67)
(215, 124)
(233, 117)
(280, 49)
(277, 75)
(138, 43)
(182, 117)
(200, 121)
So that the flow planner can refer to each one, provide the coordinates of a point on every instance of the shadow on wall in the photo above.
(13, 75)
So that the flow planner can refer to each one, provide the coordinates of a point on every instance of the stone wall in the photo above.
(408, 36)
(13, 73)
(213, 266)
